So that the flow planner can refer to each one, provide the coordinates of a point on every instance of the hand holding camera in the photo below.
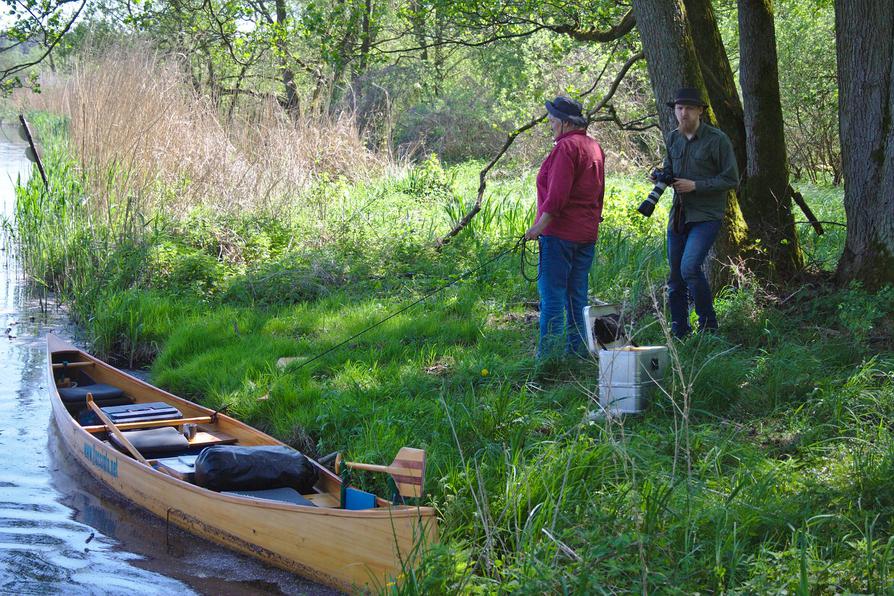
(662, 179)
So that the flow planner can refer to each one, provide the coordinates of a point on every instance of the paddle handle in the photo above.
(369, 467)
(111, 425)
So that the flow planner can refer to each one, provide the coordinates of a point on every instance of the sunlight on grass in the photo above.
(780, 467)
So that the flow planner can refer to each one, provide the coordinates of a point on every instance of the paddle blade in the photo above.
(408, 471)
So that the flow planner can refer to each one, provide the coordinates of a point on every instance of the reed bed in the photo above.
(147, 143)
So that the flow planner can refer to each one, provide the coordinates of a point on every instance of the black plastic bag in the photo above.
(230, 467)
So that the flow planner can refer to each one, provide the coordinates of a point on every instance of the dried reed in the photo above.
(148, 142)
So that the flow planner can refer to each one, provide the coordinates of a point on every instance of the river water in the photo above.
(61, 532)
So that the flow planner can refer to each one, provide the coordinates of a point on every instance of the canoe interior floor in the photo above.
(76, 373)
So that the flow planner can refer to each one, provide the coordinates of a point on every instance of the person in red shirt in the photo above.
(570, 189)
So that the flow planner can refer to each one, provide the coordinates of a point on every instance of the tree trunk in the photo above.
(767, 204)
(670, 53)
(288, 75)
(672, 63)
(417, 23)
(864, 32)
(366, 38)
(718, 74)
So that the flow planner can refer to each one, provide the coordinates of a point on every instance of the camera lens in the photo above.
(647, 207)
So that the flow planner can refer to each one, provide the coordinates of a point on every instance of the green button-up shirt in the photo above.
(709, 161)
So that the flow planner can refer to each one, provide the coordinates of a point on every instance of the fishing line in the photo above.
(525, 257)
(520, 243)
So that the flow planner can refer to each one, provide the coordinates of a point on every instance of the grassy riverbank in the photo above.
(767, 467)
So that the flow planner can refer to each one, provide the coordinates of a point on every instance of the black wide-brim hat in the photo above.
(567, 110)
(688, 96)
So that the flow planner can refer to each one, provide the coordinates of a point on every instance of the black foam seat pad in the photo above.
(142, 412)
(100, 392)
(284, 494)
(152, 441)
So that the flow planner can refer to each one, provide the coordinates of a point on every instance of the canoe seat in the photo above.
(153, 442)
(208, 438)
(102, 395)
(142, 412)
(182, 467)
(285, 495)
(131, 412)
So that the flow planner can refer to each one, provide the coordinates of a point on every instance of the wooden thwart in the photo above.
(114, 429)
(59, 365)
(98, 428)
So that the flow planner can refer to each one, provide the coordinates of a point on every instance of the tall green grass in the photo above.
(766, 468)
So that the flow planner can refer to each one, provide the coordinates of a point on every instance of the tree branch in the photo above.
(49, 48)
(510, 139)
(616, 32)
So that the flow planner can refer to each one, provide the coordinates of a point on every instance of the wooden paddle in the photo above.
(407, 470)
(111, 426)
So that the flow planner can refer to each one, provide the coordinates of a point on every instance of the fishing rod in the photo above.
(520, 243)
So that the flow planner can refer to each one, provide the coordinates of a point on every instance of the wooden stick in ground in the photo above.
(800, 202)
(98, 428)
(30, 140)
(111, 426)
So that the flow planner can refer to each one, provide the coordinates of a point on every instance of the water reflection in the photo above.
(61, 532)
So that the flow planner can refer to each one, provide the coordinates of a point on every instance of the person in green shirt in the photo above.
(703, 164)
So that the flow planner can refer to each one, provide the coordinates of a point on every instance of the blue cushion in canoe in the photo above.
(153, 441)
(284, 494)
(101, 393)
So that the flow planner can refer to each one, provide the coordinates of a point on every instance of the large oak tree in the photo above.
(865, 49)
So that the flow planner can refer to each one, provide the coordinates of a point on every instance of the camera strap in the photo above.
(678, 218)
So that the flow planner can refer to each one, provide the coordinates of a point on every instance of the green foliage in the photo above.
(289, 279)
(777, 478)
(809, 88)
(183, 271)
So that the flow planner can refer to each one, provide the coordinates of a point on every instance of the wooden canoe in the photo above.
(345, 549)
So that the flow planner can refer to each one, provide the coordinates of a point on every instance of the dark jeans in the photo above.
(563, 283)
(686, 254)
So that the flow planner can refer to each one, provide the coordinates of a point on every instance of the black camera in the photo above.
(663, 179)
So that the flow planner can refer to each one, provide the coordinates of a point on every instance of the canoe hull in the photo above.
(343, 549)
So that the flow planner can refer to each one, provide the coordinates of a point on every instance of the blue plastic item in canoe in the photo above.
(356, 500)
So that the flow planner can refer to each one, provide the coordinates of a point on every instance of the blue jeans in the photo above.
(564, 271)
(686, 254)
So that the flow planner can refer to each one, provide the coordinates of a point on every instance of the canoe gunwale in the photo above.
(379, 512)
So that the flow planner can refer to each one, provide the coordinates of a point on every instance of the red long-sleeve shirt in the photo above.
(571, 186)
